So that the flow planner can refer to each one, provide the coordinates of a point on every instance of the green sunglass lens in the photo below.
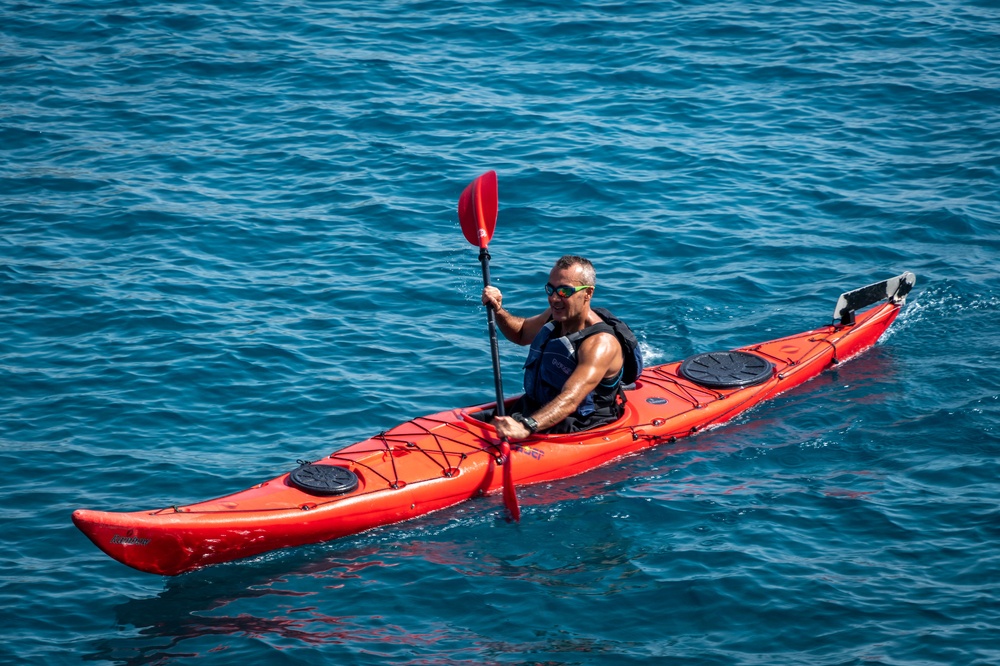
(564, 291)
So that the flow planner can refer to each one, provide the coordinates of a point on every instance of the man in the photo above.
(573, 373)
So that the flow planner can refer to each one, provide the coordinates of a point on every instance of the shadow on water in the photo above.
(280, 600)
(394, 599)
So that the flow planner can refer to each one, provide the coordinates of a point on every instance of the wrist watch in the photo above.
(528, 422)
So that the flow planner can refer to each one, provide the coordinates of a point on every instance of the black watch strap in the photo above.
(528, 422)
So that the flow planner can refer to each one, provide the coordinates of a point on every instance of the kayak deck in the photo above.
(432, 462)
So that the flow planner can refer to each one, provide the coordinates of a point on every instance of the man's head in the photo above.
(570, 288)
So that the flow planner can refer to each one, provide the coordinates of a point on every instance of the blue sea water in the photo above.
(228, 241)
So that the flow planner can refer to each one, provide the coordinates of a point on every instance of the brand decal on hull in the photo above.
(537, 454)
(129, 540)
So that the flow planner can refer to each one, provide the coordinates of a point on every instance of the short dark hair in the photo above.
(570, 260)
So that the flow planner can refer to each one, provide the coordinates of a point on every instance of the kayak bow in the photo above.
(436, 461)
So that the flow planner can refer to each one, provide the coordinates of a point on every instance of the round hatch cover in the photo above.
(728, 369)
(324, 479)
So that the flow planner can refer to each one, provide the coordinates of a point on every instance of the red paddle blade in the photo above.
(477, 209)
(509, 492)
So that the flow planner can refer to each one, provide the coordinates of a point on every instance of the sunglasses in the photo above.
(565, 291)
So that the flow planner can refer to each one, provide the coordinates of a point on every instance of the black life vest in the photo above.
(553, 358)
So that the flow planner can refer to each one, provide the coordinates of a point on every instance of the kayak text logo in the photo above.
(537, 454)
(562, 366)
(129, 540)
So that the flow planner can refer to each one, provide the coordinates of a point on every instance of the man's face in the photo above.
(573, 306)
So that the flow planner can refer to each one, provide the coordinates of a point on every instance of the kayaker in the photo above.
(573, 373)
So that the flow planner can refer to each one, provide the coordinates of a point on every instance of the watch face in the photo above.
(526, 421)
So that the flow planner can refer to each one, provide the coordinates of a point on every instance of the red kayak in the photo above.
(433, 462)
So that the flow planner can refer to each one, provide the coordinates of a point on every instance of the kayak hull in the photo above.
(436, 461)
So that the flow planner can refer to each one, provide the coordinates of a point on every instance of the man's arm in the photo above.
(519, 330)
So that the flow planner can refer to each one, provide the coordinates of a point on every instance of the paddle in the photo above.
(477, 213)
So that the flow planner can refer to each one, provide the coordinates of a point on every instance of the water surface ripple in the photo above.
(229, 242)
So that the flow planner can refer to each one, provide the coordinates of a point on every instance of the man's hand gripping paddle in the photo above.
(477, 213)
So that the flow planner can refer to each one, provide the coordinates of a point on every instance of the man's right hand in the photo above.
(492, 298)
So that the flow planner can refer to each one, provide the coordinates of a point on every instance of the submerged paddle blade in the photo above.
(477, 209)
(509, 491)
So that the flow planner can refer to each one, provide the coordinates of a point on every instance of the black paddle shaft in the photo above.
(491, 319)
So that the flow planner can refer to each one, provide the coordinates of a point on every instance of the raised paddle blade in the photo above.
(477, 209)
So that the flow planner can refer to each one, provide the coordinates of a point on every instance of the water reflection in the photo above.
(404, 598)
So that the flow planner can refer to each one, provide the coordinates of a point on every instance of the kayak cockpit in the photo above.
(472, 417)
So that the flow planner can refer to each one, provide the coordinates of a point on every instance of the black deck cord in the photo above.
(834, 360)
(392, 459)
